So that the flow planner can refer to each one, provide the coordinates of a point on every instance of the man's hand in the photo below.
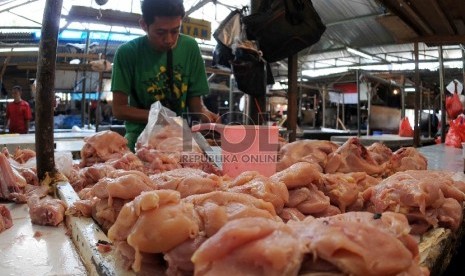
(209, 117)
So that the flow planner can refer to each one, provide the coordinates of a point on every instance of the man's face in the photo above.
(163, 33)
(16, 95)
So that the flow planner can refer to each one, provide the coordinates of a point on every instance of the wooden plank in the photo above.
(85, 234)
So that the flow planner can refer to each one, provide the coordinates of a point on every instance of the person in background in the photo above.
(18, 113)
(142, 72)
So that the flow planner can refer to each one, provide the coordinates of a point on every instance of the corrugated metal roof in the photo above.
(354, 23)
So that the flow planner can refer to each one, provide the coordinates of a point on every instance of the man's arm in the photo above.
(122, 111)
(196, 105)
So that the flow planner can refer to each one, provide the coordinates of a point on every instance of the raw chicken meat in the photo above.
(170, 138)
(10, 180)
(46, 211)
(423, 196)
(345, 189)
(259, 186)
(291, 214)
(357, 245)
(312, 151)
(188, 181)
(157, 161)
(123, 185)
(404, 159)
(380, 152)
(250, 246)
(308, 200)
(352, 156)
(179, 258)
(5, 218)
(215, 209)
(23, 155)
(129, 161)
(155, 222)
(86, 177)
(300, 174)
(105, 214)
(103, 146)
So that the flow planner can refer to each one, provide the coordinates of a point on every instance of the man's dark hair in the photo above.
(153, 8)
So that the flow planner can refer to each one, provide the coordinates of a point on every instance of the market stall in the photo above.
(177, 212)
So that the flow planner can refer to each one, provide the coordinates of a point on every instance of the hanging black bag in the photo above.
(249, 70)
(284, 27)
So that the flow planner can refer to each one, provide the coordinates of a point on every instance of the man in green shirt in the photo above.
(141, 73)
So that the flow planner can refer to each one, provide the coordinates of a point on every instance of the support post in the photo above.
(416, 129)
(292, 98)
(442, 96)
(45, 89)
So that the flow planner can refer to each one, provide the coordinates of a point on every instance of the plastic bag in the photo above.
(456, 134)
(249, 70)
(159, 117)
(225, 35)
(166, 132)
(229, 29)
(64, 162)
(453, 106)
(405, 129)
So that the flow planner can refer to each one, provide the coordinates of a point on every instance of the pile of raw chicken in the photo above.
(337, 210)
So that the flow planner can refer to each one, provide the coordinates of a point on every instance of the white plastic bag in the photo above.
(159, 117)
(64, 162)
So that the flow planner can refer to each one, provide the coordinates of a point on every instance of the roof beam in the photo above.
(415, 17)
(441, 16)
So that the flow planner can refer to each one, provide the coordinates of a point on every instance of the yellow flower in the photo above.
(183, 104)
(184, 88)
(162, 69)
(177, 76)
(152, 88)
(177, 92)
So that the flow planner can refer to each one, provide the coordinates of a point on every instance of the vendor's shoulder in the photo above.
(133, 45)
(187, 40)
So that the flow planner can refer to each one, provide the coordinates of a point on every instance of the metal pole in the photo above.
(45, 89)
(416, 130)
(370, 88)
(292, 98)
(231, 105)
(83, 91)
(442, 95)
(323, 104)
(357, 81)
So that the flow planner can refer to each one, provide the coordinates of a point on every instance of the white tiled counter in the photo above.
(27, 249)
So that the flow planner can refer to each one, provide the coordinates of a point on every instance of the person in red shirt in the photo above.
(18, 113)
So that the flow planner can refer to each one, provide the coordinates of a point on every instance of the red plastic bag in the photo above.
(456, 134)
(405, 130)
(453, 106)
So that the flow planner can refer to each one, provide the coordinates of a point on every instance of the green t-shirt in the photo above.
(141, 72)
